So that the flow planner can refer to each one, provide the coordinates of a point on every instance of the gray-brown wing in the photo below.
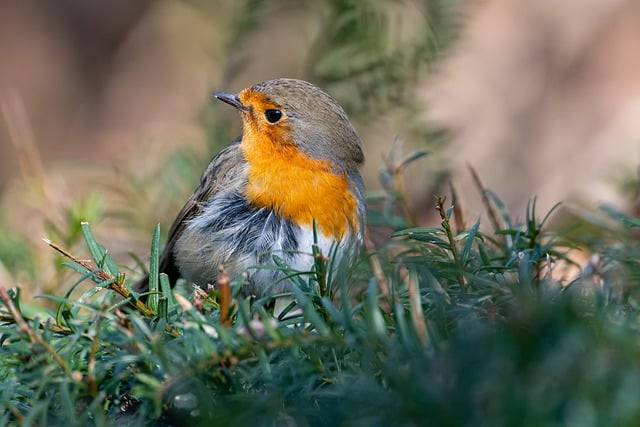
(223, 166)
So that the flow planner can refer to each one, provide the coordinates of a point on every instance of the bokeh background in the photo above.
(106, 114)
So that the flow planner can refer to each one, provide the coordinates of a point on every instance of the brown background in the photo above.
(541, 97)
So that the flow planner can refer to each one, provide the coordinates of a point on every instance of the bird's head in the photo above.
(294, 112)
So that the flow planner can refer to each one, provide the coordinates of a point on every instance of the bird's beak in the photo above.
(231, 99)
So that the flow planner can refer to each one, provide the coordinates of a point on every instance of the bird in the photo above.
(294, 170)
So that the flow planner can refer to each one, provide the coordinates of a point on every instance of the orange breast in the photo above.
(296, 186)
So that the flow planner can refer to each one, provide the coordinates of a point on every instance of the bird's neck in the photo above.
(298, 187)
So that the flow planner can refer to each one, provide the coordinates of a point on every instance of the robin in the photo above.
(295, 165)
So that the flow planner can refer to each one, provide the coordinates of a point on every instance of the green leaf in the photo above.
(98, 252)
(469, 242)
(153, 269)
(165, 287)
(417, 230)
(413, 157)
(310, 312)
(375, 321)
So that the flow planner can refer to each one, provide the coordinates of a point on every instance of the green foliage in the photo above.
(370, 51)
(474, 330)
(15, 253)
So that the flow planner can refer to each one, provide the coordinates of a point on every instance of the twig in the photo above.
(92, 385)
(117, 286)
(416, 306)
(100, 274)
(376, 267)
(224, 287)
(19, 418)
(58, 329)
(446, 225)
(458, 217)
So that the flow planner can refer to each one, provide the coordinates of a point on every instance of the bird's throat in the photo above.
(298, 187)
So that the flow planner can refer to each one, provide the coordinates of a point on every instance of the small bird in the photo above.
(296, 164)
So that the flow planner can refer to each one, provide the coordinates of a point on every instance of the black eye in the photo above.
(273, 115)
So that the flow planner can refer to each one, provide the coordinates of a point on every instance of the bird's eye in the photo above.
(273, 115)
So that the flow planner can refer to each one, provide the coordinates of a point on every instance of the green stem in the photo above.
(446, 226)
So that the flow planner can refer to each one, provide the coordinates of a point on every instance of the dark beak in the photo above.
(231, 99)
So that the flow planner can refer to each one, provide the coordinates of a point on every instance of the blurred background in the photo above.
(106, 113)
